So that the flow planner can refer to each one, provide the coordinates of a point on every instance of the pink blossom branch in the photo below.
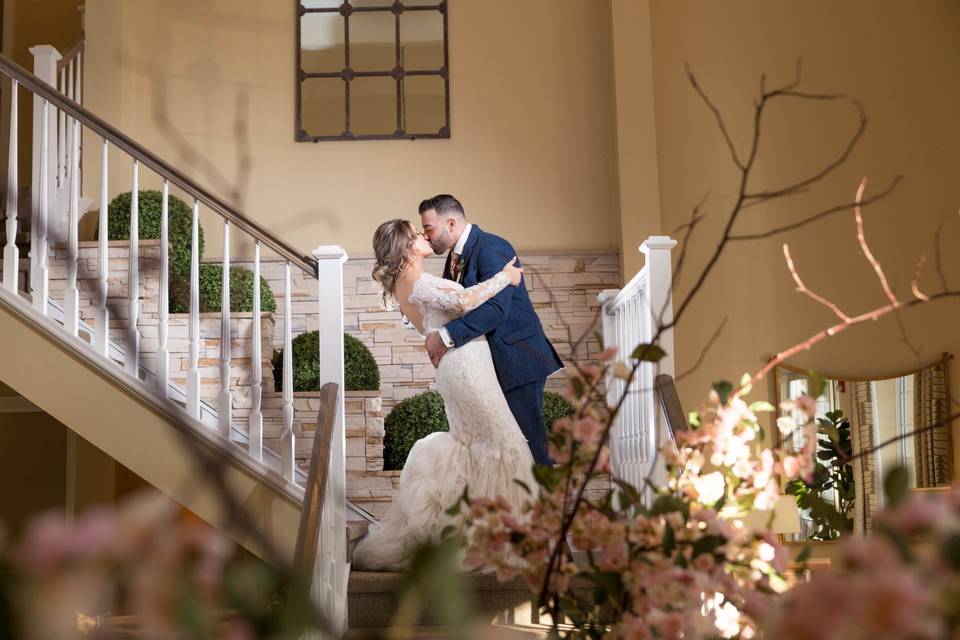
(914, 284)
(802, 288)
(861, 238)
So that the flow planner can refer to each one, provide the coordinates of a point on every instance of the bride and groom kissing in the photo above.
(492, 360)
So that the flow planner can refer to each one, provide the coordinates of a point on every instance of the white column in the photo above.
(659, 290)
(255, 437)
(287, 439)
(193, 375)
(71, 295)
(11, 255)
(333, 544)
(225, 406)
(133, 276)
(102, 337)
(163, 355)
(660, 282)
(45, 60)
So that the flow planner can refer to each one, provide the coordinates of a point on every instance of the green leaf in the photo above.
(629, 495)
(895, 485)
(668, 504)
(762, 406)
(599, 338)
(950, 550)
(669, 541)
(578, 387)
(547, 476)
(823, 511)
(723, 388)
(523, 485)
(707, 544)
(745, 383)
(815, 384)
(647, 352)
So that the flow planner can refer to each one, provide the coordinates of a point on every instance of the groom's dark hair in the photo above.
(444, 204)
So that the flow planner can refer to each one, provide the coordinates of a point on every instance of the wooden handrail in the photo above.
(149, 159)
(70, 55)
(308, 535)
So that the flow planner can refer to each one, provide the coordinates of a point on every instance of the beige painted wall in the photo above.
(532, 148)
(638, 183)
(900, 60)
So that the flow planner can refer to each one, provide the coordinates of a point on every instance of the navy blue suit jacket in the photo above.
(521, 352)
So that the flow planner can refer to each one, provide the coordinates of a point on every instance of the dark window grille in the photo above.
(332, 124)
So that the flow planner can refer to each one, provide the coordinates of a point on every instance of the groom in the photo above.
(522, 355)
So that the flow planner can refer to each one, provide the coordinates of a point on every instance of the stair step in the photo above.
(371, 601)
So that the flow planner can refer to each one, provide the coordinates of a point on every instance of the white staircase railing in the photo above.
(630, 317)
(90, 334)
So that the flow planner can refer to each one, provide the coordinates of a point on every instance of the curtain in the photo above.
(930, 407)
(864, 468)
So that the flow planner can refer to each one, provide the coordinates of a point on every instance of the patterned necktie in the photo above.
(455, 266)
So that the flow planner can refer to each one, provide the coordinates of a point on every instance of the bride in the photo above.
(484, 449)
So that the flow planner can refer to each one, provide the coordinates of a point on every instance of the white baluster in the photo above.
(68, 167)
(224, 410)
(287, 439)
(255, 438)
(78, 97)
(193, 375)
(102, 337)
(62, 133)
(163, 355)
(133, 276)
(71, 295)
(11, 255)
(330, 261)
(41, 283)
(45, 60)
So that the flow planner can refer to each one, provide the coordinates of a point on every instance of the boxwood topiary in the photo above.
(211, 281)
(149, 205)
(410, 420)
(555, 406)
(421, 415)
(360, 369)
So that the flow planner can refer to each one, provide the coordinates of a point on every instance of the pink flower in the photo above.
(807, 405)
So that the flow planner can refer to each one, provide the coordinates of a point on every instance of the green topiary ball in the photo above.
(360, 369)
(211, 281)
(410, 420)
(149, 205)
(421, 415)
(555, 406)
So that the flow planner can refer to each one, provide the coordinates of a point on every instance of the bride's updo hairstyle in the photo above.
(392, 243)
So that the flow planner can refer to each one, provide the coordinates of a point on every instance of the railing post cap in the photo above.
(654, 243)
(607, 294)
(330, 252)
(45, 49)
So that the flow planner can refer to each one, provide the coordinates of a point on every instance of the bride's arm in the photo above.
(464, 300)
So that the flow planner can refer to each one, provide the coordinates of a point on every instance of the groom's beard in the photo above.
(442, 244)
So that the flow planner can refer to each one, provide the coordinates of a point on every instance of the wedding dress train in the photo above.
(484, 449)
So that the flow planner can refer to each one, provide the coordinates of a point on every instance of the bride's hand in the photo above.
(513, 272)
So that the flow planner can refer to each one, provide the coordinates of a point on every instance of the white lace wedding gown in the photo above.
(484, 449)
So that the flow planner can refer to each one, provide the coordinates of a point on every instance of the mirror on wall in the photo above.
(856, 416)
(372, 70)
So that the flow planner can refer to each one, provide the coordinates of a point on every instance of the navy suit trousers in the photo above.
(526, 403)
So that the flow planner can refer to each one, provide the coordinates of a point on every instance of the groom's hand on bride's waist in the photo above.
(435, 348)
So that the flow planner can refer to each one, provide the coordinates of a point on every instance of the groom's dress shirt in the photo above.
(457, 251)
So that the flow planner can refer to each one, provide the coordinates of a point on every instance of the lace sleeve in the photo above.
(461, 301)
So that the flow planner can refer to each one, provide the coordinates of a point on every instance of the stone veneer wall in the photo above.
(563, 288)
